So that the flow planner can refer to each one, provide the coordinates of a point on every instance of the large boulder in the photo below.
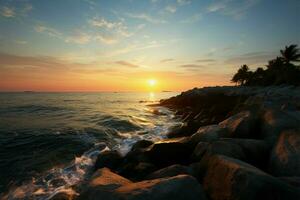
(208, 133)
(137, 171)
(275, 121)
(228, 178)
(168, 152)
(293, 181)
(64, 194)
(110, 159)
(242, 125)
(102, 185)
(256, 151)
(285, 156)
(199, 151)
(181, 187)
(169, 171)
(109, 186)
(141, 145)
(227, 149)
(185, 129)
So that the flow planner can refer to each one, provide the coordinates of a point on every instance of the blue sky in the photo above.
(203, 41)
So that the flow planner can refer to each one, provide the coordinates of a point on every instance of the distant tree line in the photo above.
(279, 71)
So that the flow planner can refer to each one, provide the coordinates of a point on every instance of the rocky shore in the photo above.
(233, 143)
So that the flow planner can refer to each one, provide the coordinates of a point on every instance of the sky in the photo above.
(121, 45)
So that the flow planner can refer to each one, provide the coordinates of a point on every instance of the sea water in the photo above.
(49, 141)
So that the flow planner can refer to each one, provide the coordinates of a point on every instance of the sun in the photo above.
(152, 82)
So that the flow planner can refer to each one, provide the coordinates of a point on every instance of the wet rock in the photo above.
(66, 194)
(208, 134)
(228, 178)
(285, 156)
(226, 148)
(170, 152)
(293, 181)
(57, 182)
(199, 151)
(256, 151)
(170, 171)
(110, 186)
(181, 187)
(137, 171)
(242, 125)
(275, 121)
(102, 185)
(141, 144)
(110, 159)
(186, 129)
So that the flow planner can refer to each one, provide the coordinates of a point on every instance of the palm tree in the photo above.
(276, 64)
(290, 54)
(242, 75)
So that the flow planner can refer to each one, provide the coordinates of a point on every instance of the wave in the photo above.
(119, 124)
(33, 109)
(26, 154)
(58, 179)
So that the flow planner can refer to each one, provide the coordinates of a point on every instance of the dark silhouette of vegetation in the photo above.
(281, 70)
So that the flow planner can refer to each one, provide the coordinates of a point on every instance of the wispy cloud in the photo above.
(251, 58)
(171, 8)
(79, 37)
(110, 31)
(104, 23)
(153, 1)
(26, 9)
(42, 63)
(8, 12)
(127, 64)
(191, 66)
(22, 42)
(107, 39)
(183, 2)
(47, 30)
(11, 11)
(194, 18)
(147, 18)
(205, 60)
(133, 48)
(9, 60)
(167, 60)
(234, 8)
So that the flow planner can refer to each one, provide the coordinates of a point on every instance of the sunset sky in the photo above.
(123, 45)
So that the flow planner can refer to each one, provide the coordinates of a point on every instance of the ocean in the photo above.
(49, 141)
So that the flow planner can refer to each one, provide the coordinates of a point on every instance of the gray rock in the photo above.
(170, 171)
(181, 187)
(199, 151)
(274, 122)
(208, 134)
(66, 194)
(241, 125)
(110, 159)
(292, 180)
(109, 186)
(137, 171)
(102, 185)
(141, 144)
(227, 178)
(168, 152)
(256, 151)
(285, 156)
(226, 148)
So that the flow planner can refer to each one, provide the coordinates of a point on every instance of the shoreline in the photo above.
(225, 131)
(233, 143)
